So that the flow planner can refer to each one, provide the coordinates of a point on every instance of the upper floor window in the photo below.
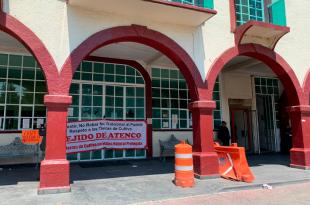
(200, 3)
(270, 11)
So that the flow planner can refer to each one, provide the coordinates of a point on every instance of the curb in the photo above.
(259, 186)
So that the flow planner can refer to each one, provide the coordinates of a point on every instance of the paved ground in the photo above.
(285, 195)
(137, 181)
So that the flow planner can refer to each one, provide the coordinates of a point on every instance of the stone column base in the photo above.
(206, 165)
(300, 158)
(56, 190)
(54, 176)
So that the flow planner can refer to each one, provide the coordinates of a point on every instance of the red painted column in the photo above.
(300, 121)
(54, 172)
(206, 163)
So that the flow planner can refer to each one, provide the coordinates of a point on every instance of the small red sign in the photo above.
(31, 137)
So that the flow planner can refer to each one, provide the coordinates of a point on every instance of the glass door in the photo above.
(267, 123)
(241, 128)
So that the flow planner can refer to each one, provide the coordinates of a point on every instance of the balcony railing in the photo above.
(269, 11)
(208, 4)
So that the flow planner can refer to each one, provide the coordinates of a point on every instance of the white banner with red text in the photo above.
(85, 136)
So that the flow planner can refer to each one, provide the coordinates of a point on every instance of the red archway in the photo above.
(19, 31)
(56, 150)
(138, 34)
(273, 60)
(299, 112)
(55, 102)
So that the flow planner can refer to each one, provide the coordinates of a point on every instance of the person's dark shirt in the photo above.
(223, 133)
(42, 133)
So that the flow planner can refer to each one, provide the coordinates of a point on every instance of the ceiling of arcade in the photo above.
(247, 65)
(147, 56)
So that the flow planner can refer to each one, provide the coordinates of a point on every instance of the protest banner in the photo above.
(105, 134)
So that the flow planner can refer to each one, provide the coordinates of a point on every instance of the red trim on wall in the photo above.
(148, 90)
(232, 10)
(19, 31)
(306, 87)
(183, 6)
(138, 34)
(273, 60)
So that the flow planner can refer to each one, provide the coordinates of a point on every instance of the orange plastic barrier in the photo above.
(184, 173)
(233, 163)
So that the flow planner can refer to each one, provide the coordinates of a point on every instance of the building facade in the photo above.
(182, 66)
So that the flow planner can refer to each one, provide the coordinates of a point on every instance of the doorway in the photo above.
(241, 131)
(267, 127)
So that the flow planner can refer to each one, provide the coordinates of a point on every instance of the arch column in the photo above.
(205, 158)
(300, 153)
(54, 171)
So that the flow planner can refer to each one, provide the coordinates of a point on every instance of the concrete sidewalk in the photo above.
(298, 194)
(128, 182)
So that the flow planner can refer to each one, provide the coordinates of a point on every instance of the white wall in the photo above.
(234, 86)
(217, 35)
(294, 47)
(165, 135)
(62, 28)
(8, 138)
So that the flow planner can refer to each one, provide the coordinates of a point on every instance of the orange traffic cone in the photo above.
(184, 173)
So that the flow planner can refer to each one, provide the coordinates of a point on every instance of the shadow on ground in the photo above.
(14, 174)
(268, 158)
(121, 168)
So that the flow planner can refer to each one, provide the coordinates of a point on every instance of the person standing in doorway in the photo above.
(42, 133)
(223, 134)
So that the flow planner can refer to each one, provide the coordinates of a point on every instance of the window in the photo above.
(107, 91)
(271, 11)
(269, 86)
(247, 10)
(217, 114)
(125, 102)
(170, 99)
(201, 3)
(22, 89)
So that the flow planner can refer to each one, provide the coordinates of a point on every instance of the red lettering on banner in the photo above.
(103, 134)
(100, 135)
